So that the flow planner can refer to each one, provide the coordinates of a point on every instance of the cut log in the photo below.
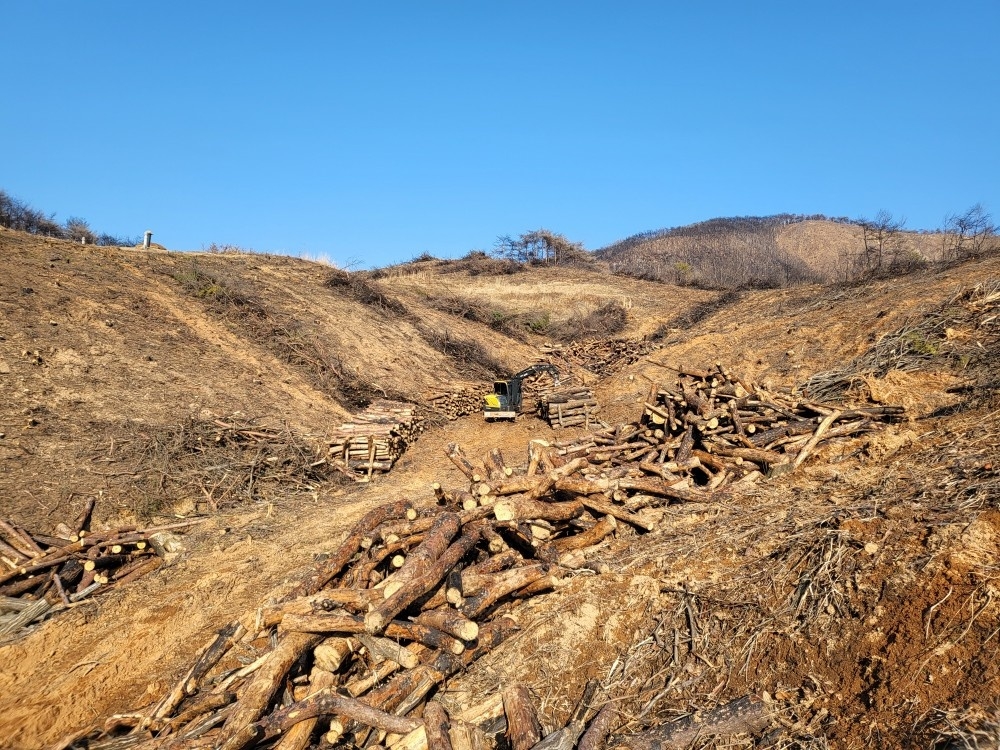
(331, 653)
(320, 703)
(523, 508)
(423, 556)
(349, 547)
(747, 715)
(263, 685)
(377, 619)
(500, 586)
(300, 734)
(449, 621)
(605, 526)
(436, 724)
(523, 729)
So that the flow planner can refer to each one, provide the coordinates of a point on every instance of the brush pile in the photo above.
(568, 407)
(602, 356)
(41, 574)
(375, 439)
(457, 402)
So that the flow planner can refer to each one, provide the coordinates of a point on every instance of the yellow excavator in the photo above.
(506, 400)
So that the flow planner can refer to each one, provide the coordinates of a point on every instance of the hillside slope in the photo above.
(858, 592)
(755, 251)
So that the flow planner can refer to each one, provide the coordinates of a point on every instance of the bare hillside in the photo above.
(854, 596)
(766, 251)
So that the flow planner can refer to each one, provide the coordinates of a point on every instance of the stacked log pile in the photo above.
(568, 407)
(458, 402)
(41, 574)
(375, 439)
(602, 356)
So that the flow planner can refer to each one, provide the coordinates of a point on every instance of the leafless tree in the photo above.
(969, 234)
(881, 237)
(78, 230)
(540, 246)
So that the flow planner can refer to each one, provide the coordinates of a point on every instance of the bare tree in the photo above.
(79, 230)
(969, 234)
(882, 243)
(540, 246)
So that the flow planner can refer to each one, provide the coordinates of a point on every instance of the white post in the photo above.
(147, 238)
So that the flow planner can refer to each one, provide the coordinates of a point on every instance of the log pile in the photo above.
(375, 439)
(41, 574)
(718, 428)
(457, 402)
(602, 356)
(356, 654)
(568, 407)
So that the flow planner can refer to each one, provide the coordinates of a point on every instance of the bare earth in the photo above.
(858, 592)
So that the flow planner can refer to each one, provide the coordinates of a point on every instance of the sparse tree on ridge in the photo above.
(969, 234)
(539, 246)
(882, 243)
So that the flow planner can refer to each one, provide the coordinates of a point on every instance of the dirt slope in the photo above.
(858, 592)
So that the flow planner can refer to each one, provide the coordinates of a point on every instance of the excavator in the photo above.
(506, 400)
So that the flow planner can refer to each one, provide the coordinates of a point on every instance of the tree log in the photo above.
(420, 559)
(747, 715)
(377, 619)
(323, 702)
(523, 729)
(596, 735)
(457, 456)
(299, 735)
(500, 586)
(348, 548)
(606, 525)
(524, 508)
(436, 724)
(449, 621)
(262, 686)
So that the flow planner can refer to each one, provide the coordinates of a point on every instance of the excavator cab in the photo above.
(506, 400)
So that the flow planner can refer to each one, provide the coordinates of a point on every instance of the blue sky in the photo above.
(369, 133)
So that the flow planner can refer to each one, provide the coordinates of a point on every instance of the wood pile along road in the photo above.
(457, 402)
(359, 652)
(41, 574)
(568, 407)
(602, 356)
(375, 439)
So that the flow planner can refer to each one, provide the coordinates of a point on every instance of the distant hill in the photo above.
(754, 251)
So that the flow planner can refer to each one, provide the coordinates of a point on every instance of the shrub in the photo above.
(365, 291)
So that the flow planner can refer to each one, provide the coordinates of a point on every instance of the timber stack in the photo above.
(458, 402)
(375, 439)
(41, 574)
(568, 407)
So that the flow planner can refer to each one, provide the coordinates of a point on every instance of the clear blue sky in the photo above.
(371, 132)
